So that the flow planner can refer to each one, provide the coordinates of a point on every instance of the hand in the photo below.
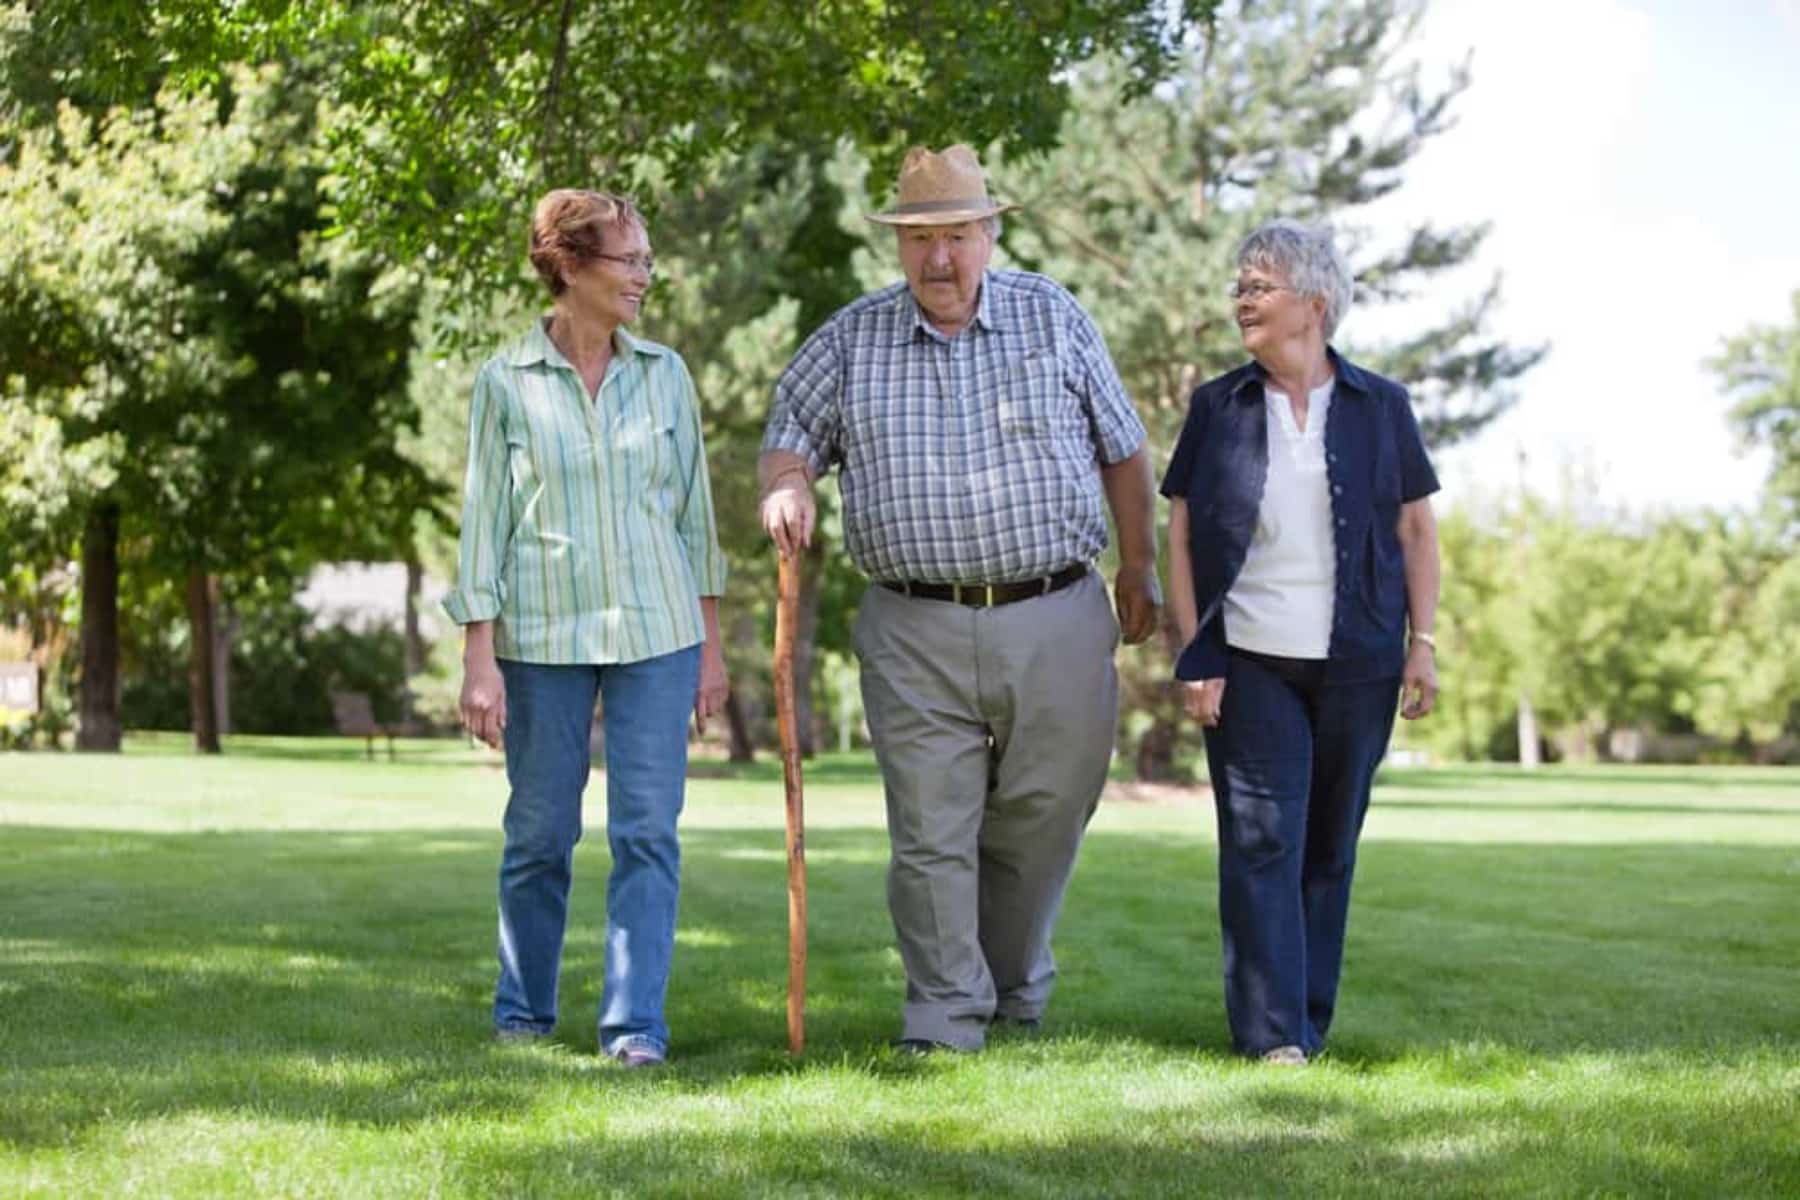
(1203, 700)
(482, 704)
(1138, 598)
(1418, 682)
(709, 697)
(788, 512)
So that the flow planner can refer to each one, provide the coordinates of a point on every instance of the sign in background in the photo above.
(19, 687)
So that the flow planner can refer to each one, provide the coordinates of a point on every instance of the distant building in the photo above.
(366, 596)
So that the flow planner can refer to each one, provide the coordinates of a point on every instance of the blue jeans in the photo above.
(1292, 760)
(549, 710)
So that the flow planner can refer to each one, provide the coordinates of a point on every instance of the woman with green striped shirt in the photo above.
(589, 571)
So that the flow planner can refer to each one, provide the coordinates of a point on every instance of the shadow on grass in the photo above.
(346, 977)
(1283, 1144)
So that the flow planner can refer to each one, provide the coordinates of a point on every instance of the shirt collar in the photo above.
(536, 347)
(1349, 375)
(913, 321)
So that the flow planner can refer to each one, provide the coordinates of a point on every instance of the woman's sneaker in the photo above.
(635, 1052)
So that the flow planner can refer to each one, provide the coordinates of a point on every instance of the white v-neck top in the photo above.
(1281, 601)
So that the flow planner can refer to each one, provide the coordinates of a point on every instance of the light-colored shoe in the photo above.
(519, 1035)
(635, 1053)
(1285, 1056)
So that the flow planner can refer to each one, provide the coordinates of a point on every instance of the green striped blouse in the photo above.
(587, 527)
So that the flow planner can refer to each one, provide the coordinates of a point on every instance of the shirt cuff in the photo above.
(709, 573)
(794, 440)
(470, 604)
(1120, 444)
(1206, 656)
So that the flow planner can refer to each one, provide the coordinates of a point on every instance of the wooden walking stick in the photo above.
(787, 616)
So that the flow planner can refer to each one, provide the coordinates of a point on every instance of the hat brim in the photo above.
(953, 216)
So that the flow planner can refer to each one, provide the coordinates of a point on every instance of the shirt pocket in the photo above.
(644, 444)
(1032, 404)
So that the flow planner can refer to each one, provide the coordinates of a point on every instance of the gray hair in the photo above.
(1306, 257)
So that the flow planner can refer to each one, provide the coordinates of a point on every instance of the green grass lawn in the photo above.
(269, 974)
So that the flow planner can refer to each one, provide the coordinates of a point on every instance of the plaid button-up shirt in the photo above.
(587, 525)
(971, 459)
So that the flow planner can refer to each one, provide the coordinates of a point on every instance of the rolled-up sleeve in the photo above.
(805, 418)
(480, 591)
(697, 524)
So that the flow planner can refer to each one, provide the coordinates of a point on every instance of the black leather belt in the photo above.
(987, 595)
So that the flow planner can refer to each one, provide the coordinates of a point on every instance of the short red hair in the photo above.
(568, 231)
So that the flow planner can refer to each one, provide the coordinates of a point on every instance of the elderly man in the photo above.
(977, 421)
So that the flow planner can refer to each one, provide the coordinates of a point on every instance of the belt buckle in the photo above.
(975, 595)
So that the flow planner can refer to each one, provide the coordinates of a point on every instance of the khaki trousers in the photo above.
(994, 729)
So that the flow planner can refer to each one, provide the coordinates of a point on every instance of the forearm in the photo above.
(1181, 573)
(782, 468)
(478, 643)
(1419, 548)
(709, 619)
(1131, 494)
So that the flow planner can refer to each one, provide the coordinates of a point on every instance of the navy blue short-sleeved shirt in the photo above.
(1375, 461)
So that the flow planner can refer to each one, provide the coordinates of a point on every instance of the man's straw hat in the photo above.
(941, 189)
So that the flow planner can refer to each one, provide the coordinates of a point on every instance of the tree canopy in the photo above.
(465, 112)
(1760, 368)
(191, 367)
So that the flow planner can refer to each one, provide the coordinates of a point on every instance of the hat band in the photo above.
(935, 206)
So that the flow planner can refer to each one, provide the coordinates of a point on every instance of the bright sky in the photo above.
(1640, 162)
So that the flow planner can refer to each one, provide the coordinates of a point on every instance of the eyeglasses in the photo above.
(634, 262)
(1256, 290)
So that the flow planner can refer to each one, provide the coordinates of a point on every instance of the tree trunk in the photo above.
(737, 729)
(202, 596)
(99, 729)
(414, 644)
(1528, 733)
(812, 566)
(224, 630)
(1156, 752)
(1154, 761)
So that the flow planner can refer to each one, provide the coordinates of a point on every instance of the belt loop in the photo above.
(988, 589)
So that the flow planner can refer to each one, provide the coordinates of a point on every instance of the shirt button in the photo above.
(1341, 521)
(1338, 488)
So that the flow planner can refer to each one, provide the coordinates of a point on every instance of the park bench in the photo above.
(354, 716)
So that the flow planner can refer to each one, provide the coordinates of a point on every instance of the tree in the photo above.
(231, 381)
(1761, 368)
(92, 215)
(1662, 624)
(1750, 692)
(466, 112)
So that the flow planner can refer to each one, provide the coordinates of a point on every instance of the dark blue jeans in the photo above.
(1292, 760)
(548, 713)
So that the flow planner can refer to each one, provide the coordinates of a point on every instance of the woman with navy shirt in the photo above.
(1304, 583)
